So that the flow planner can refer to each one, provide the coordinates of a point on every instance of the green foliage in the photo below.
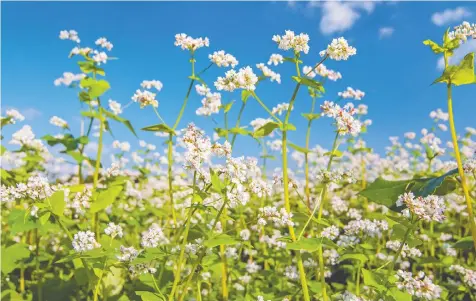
(161, 127)
(462, 74)
(105, 198)
(266, 129)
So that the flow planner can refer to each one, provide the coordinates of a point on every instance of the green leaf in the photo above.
(44, 218)
(287, 127)
(354, 256)
(18, 222)
(221, 239)
(161, 127)
(374, 279)
(337, 153)
(240, 131)
(227, 107)
(299, 148)
(434, 46)
(266, 129)
(105, 198)
(245, 94)
(216, 182)
(465, 243)
(311, 116)
(149, 296)
(12, 256)
(96, 88)
(90, 67)
(57, 202)
(463, 74)
(122, 120)
(310, 83)
(441, 185)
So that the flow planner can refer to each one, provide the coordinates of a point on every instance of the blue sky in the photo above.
(395, 70)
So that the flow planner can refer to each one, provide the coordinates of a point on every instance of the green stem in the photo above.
(265, 107)
(454, 137)
(306, 157)
(98, 166)
(184, 242)
(243, 104)
(37, 267)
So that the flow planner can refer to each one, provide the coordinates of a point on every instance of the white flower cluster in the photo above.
(338, 50)
(36, 188)
(463, 31)
(406, 250)
(127, 254)
(149, 84)
(366, 227)
(188, 43)
(331, 256)
(56, 121)
(142, 268)
(470, 165)
(346, 241)
(345, 122)
(348, 296)
(104, 43)
(199, 147)
(280, 218)
(100, 57)
(113, 230)
(145, 98)
(331, 232)
(153, 237)
(115, 107)
(419, 286)
(211, 104)
(26, 137)
(69, 35)
(14, 116)
(69, 78)
(291, 272)
(280, 108)
(80, 201)
(469, 276)
(334, 176)
(429, 208)
(222, 59)
(439, 115)
(351, 93)
(299, 43)
(84, 241)
(432, 141)
(275, 59)
(243, 79)
(269, 73)
(338, 205)
(321, 70)
(123, 146)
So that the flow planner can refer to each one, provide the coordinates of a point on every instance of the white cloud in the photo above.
(458, 55)
(340, 16)
(385, 32)
(450, 16)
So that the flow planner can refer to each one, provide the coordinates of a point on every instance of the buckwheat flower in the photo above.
(69, 78)
(260, 188)
(406, 250)
(291, 272)
(153, 237)
(145, 98)
(222, 150)
(123, 146)
(338, 50)
(469, 166)
(113, 230)
(351, 93)
(246, 79)
(338, 205)
(141, 269)
(252, 267)
(245, 234)
(366, 227)
(438, 115)
(127, 254)
(463, 31)
(429, 208)
(14, 115)
(229, 82)
(410, 135)
(468, 276)
(299, 43)
(115, 107)
(211, 104)
(149, 84)
(84, 241)
(202, 90)
(331, 256)
(346, 241)
(419, 286)
(345, 122)
(188, 43)
(222, 59)
(81, 201)
(280, 108)
(56, 121)
(331, 232)
(275, 59)
(34, 211)
(104, 43)
(69, 35)
(269, 73)
(199, 147)
(309, 71)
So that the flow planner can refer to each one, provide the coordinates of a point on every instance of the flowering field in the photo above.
(190, 220)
